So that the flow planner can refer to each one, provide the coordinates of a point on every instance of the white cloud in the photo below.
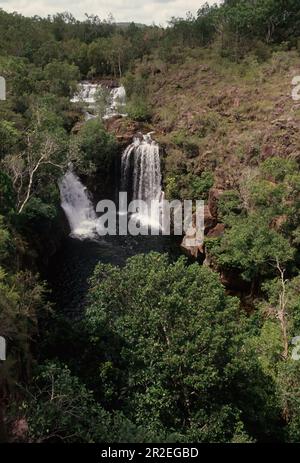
(144, 11)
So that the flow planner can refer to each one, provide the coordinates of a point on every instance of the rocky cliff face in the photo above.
(212, 227)
(125, 129)
(222, 118)
(235, 116)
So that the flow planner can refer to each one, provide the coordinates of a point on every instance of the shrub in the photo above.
(175, 345)
(139, 110)
(97, 145)
(9, 137)
(229, 203)
(171, 187)
(200, 185)
(262, 51)
(7, 194)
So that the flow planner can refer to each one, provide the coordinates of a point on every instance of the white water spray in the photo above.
(140, 168)
(117, 103)
(75, 199)
(87, 93)
(77, 206)
(142, 158)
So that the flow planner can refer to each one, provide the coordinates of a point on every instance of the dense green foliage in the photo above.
(56, 390)
(97, 147)
(262, 220)
(174, 345)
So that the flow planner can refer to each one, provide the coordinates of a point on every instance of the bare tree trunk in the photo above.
(119, 64)
(270, 32)
(33, 167)
(236, 45)
(29, 186)
(282, 315)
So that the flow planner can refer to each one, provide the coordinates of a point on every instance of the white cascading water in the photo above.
(87, 93)
(140, 169)
(141, 158)
(77, 206)
(117, 103)
(143, 155)
(74, 196)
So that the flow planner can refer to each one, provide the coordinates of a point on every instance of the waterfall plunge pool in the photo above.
(70, 269)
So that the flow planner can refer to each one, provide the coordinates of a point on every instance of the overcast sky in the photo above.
(144, 11)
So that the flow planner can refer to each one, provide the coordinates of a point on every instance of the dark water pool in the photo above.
(70, 268)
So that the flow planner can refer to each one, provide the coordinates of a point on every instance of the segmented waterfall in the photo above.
(141, 176)
(75, 199)
(87, 93)
(117, 103)
(77, 205)
(140, 167)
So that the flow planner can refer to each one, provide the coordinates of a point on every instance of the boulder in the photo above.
(209, 220)
(217, 231)
(123, 131)
(278, 222)
(213, 198)
(19, 430)
(192, 243)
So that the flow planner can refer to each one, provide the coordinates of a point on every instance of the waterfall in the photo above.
(75, 199)
(117, 101)
(141, 158)
(77, 206)
(140, 171)
(87, 93)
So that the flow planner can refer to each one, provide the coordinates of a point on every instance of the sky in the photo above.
(140, 11)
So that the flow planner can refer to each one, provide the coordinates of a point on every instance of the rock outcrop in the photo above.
(213, 198)
(192, 243)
